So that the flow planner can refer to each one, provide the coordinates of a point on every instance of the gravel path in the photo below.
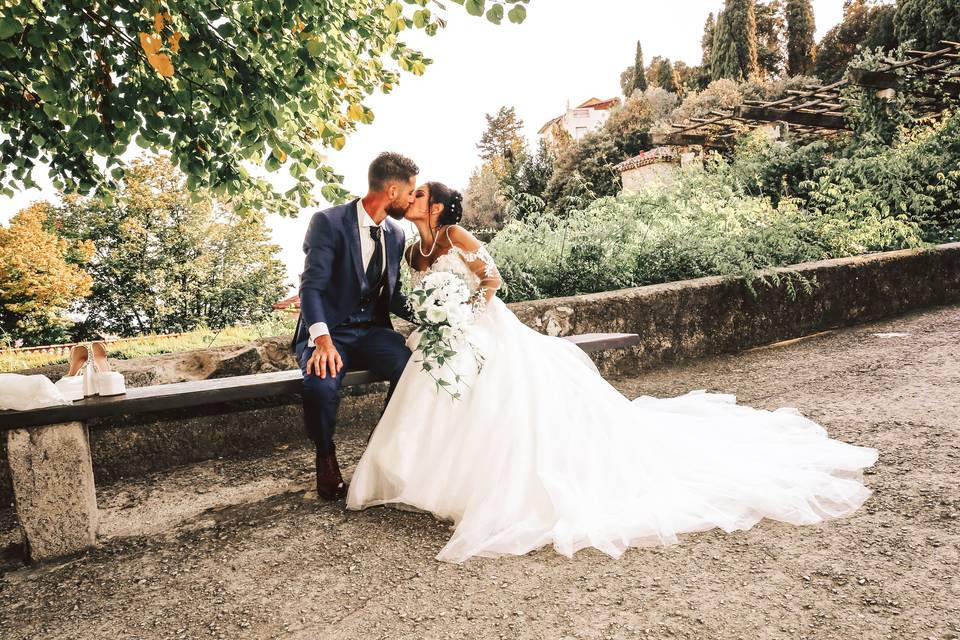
(236, 549)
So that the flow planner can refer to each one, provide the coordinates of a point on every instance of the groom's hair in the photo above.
(390, 166)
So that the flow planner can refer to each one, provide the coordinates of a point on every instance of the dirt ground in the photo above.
(237, 549)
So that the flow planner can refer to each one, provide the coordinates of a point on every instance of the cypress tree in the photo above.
(726, 59)
(801, 50)
(927, 22)
(719, 38)
(639, 77)
(706, 42)
(742, 33)
(735, 42)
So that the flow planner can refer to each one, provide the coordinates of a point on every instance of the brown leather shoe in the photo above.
(330, 484)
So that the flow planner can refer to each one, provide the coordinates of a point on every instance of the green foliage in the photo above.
(927, 22)
(214, 84)
(524, 188)
(719, 94)
(164, 264)
(719, 52)
(277, 324)
(916, 182)
(39, 280)
(503, 136)
(910, 190)
(876, 120)
(483, 203)
(884, 120)
(639, 79)
(863, 25)
(735, 43)
(506, 167)
(629, 124)
(626, 80)
(777, 169)
(771, 32)
(801, 27)
(705, 224)
(706, 42)
(586, 167)
(662, 73)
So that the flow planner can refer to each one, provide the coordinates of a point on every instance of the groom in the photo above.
(349, 286)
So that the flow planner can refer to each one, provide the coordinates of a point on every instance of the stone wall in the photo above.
(660, 173)
(707, 316)
(676, 321)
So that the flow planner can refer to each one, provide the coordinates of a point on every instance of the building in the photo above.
(657, 166)
(581, 120)
(289, 305)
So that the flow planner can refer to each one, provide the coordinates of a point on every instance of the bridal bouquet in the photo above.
(441, 306)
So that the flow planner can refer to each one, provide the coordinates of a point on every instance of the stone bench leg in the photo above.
(56, 501)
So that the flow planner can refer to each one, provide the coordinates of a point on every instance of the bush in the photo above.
(917, 179)
(707, 223)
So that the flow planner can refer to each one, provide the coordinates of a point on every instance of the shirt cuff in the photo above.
(316, 330)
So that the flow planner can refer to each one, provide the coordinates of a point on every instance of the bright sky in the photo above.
(566, 50)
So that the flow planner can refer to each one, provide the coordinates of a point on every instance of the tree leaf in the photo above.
(474, 7)
(307, 68)
(393, 10)
(421, 18)
(161, 62)
(355, 111)
(9, 26)
(517, 14)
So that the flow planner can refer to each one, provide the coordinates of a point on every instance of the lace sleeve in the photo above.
(479, 260)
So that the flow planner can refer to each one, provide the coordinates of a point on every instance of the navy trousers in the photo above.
(379, 349)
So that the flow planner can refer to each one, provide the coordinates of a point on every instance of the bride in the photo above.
(541, 450)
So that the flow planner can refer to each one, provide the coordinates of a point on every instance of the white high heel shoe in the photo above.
(103, 381)
(72, 385)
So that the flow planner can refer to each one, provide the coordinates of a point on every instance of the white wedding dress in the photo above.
(542, 450)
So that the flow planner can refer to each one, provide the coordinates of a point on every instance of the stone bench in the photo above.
(49, 451)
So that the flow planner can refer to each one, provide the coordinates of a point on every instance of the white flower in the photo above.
(457, 315)
(443, 314)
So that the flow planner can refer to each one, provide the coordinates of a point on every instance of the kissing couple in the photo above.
(539, 449)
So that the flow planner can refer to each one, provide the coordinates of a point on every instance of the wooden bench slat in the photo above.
(201, 392)
(591, 342)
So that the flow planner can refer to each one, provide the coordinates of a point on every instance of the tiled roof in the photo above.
(660, 154)
(592, 103)
(288, 303)
(544, 128)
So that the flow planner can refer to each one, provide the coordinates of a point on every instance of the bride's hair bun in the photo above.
(452, 202)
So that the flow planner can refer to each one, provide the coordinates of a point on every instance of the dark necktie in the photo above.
(375, 268)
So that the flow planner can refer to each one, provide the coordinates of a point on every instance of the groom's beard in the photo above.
(396, 212)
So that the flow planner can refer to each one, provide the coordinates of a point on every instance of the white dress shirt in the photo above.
(367, 247)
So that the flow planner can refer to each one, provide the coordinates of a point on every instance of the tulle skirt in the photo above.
(542, 450)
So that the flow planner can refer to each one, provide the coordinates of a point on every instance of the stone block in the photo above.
(52, 477)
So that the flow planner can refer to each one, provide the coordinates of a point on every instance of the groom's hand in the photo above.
(324, 358)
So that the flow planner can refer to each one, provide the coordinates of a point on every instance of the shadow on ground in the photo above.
(237, 549)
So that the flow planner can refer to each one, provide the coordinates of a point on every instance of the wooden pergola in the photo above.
(818, 111)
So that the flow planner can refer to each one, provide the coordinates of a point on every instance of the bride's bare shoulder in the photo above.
(460, 237)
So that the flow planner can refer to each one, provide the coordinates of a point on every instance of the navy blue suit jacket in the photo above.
(333, 279)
